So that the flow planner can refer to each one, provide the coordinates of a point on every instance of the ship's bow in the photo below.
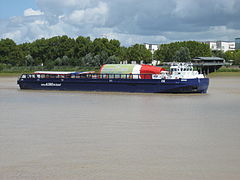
(203, 84)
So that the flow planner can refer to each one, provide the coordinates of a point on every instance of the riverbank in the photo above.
(224, 74)
(10, 74)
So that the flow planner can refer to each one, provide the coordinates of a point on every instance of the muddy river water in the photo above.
(53, 135)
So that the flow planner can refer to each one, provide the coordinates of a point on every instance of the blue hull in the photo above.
(118, 85)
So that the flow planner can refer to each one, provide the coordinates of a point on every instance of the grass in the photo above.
(224, 69)
(224, 74)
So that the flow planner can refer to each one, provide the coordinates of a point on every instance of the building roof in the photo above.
(151, 44)
(218, 41)
(208, 58)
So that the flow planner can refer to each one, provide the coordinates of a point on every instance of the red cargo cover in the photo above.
(148, 69)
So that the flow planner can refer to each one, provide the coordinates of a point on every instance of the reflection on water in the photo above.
(86, 135)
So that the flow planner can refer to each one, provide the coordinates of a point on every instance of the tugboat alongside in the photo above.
(121, 78)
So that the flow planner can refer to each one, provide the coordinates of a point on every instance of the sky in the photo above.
(130, 21)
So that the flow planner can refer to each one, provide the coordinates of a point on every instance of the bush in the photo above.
(4, 66)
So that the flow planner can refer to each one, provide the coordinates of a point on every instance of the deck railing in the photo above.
(87, 76)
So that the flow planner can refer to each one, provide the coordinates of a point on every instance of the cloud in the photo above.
(91, 16)
(65, 6)
(128, 39)
(131, 21)
(31, 12)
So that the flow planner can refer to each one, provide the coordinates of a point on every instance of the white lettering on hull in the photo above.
(51, 84)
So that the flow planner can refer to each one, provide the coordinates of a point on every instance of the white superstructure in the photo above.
(179, 71)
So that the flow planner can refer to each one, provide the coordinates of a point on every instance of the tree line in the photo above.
(82, 51)
(66, 51)
(185, 51)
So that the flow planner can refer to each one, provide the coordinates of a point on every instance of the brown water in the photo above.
(48, 135)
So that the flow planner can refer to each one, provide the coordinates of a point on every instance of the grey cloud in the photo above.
(174, 15)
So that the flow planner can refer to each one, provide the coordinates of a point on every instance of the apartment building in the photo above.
(221, 45)
(152, 47)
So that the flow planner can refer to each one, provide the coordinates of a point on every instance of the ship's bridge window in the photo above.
(23, 76)
(52, 76)
(31, 76)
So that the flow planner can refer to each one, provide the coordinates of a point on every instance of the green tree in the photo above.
(39, 51)
(29, 60)
(113, 60)
(99, 45)
(10, 53)
(58, 62)
(237, 58)
(167, 52)
(88, 59)
(162, 54)
(82, 47)
(230, 55)
(138, 53)
(220, 54)
(182, 55)
(123, 53)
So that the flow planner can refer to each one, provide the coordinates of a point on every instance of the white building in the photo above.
(152, 47)
(221, 45)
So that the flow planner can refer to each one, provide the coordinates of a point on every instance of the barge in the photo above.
(121, 78)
